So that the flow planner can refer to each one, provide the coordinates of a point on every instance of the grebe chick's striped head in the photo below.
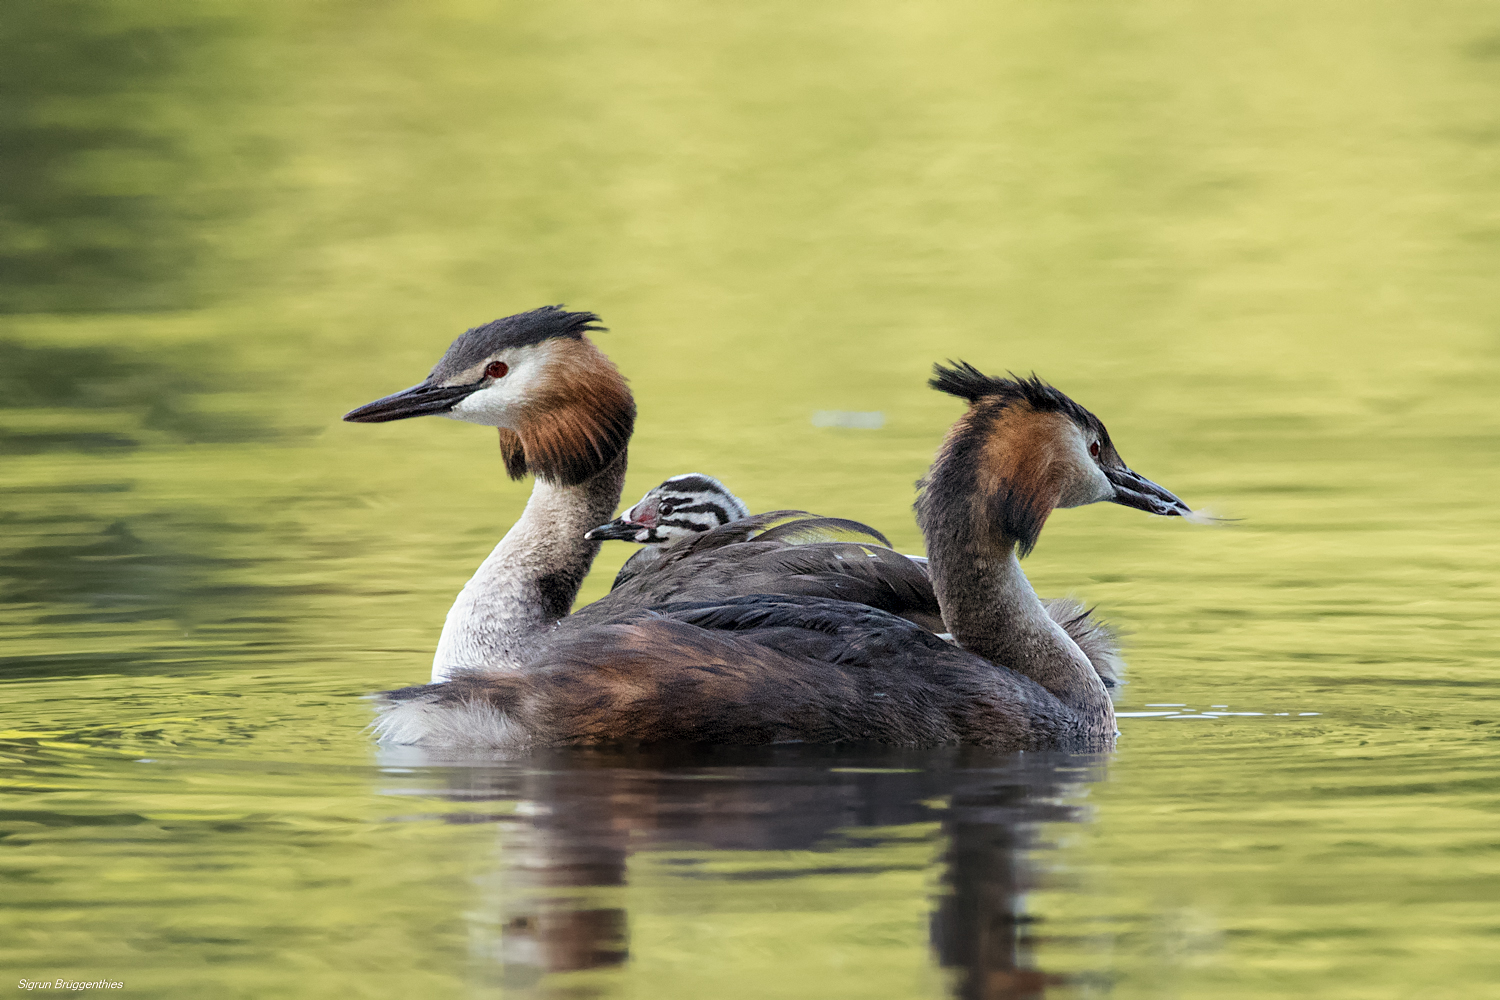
(563, 410)
(679, 508)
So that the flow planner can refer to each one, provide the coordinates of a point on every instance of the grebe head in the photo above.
(563, 410)
(679, 508)
(1023, 450)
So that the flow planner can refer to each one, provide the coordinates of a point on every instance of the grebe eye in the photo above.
(1094, 449)
(496, 369)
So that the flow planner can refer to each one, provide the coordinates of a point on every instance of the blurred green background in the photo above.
(1259, 240)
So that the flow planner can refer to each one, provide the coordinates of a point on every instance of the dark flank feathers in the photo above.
(756, 671)
(520, 330)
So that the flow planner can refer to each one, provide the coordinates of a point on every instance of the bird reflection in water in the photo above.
(554, 903)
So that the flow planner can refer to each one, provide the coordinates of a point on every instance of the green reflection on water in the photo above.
(109, 184)
(1259, 241)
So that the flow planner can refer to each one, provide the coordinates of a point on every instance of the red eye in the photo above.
(496, 369)
(1094, 449)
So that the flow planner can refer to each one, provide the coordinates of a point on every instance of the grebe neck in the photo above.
(528, 583)
(992, 611)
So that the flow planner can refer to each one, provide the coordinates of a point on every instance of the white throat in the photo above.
(530, 579)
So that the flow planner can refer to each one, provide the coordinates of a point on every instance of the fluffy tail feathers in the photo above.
(451, 715)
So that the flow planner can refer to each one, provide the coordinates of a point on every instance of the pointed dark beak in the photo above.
(1135, 490)
(618, 530)
(418, 401)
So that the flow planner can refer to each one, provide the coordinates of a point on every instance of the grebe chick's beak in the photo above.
(636, 524)
(622, 529)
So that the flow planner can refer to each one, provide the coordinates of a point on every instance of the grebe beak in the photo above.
(1134, 490)
(418, 401)
(621, 529)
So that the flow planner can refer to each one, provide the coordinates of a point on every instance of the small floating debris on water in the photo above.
(871, 420)
(1175, 710)
(1156, 715)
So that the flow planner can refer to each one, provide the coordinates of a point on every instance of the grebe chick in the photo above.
(682, 507)
(692, 504)
(775, 668)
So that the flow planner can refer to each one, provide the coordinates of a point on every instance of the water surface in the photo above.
(1259, 241)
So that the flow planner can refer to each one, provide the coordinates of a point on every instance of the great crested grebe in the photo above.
(765, 667)
(691, 504)
(565, 414)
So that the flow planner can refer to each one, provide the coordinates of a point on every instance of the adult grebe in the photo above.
(768, 668)
(565, 414)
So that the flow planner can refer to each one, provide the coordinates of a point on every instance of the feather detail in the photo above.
(576, 424)
(740, 671)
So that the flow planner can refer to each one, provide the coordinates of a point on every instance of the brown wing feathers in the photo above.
(866, 574)
(728, 562)
(743, 671)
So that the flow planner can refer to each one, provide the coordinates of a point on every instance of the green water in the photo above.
(1259, 240)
